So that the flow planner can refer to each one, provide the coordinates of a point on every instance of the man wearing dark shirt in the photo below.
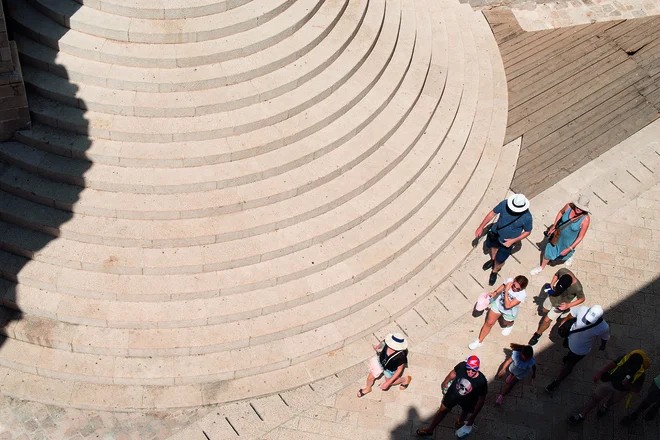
(567, 293)
(466, 387)
(513, 225)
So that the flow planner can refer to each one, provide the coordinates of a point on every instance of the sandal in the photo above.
(403, 386)
(362, 393)
(424, 432)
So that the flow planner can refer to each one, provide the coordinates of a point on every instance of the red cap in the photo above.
(473, 363)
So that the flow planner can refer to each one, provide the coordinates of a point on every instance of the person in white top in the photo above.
(589, 326)
(505, 303)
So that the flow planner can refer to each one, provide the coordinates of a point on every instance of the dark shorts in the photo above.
(450, 402)
(572, 359)
(653, 396)
(503, 252)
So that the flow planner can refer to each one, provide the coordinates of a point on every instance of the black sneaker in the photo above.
(552, 386)
(627, 420)
(574, 420)
(534, 339)
(487, 265)
(492, 279)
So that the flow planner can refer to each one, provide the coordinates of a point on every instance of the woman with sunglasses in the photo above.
(505, 302)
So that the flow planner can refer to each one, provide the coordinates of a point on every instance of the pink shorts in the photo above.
(376, 369)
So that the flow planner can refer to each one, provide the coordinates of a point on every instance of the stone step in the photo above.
(87, 19)
(299, 27)
(287, 121)
(331, 62)
(164, 9)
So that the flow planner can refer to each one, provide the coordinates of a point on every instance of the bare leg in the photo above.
(461, 418)
(437, 419)
(497, 266)
(493, 252)
(544, 324)
(506, 323)
(403, 380)
(370, 383)
(595, 400)
(544, 262)
(491, 319)
(512, 382)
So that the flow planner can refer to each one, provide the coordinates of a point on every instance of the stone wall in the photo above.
(14, 113)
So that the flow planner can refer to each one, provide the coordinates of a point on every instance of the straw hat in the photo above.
(582, 202)
(396, 341)
(517, 203)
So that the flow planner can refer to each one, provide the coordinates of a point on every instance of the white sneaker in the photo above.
(506, 331)
(535, 271)
(569, 261)
(463, 431)
(474, 345)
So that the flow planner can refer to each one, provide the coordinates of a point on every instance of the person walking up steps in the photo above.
(390, 361)
(505, 304)
(564, 293)
(652, 400)
(513, 225)
(623, 376)
(568, 230)
(466, 387)
(588, 326)
(520, 365)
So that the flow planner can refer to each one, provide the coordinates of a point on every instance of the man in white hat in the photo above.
(513, 224)
(589, 325)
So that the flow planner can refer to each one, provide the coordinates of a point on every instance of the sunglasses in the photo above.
(516, 287)
(471, 368)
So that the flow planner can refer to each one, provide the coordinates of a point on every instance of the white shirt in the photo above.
(580, 343)
(520, 296)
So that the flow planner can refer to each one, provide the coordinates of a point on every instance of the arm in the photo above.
(380, 346)
(477, 409)
(397, 374)
(604, 337)
(512, 241)
(607, 367)
(504, 367)
(508, 303)
(497, 291)
(571, 304)
(450, 376)
(534, 371)
(558, 217)
(583, 230)
(483, 224)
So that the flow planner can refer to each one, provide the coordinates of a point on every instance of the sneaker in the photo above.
(552, 386)
(627, 420)
(534, 339)
(487, 265)
(474, 345)
(492, 279)
(535, 271)
(574, 420)
(463, 431)
(500, 400)
(506, 331)
(569, 261)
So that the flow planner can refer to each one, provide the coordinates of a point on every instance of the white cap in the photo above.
(593, 314)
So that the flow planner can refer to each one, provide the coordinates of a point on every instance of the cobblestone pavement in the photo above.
(618, 263)
(534, 16)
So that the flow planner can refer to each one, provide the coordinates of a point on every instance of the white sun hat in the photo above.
(582, 202)
(396, 341)
(517, 203)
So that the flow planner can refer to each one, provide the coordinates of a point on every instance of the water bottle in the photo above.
(547, 288)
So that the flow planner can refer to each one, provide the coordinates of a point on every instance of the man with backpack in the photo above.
(513, 225)
(583, 330)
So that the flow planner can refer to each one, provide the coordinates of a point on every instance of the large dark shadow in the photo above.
(29, 220)
(530, 413)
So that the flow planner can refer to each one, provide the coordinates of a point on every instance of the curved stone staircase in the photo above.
(220, 200)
